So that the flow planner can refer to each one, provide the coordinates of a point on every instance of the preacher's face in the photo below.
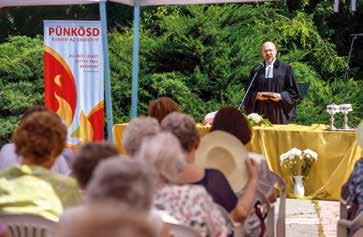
(268, 52)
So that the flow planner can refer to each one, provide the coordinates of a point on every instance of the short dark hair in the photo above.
(231, 120)
(161, 107)
(87, 159)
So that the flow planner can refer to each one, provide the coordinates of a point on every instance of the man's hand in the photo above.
(277, 97)
(260, 96)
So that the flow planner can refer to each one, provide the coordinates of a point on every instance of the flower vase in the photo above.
(299, 185)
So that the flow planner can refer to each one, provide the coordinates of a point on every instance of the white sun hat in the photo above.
(224, 152)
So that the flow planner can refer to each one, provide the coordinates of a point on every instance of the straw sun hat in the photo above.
(224, 152)
(360, 134)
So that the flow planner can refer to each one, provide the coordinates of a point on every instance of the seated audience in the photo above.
(232, 121)
(138, 129)
(103, 221)
(127, 182)
(31, 187)
(8, 156)
(216, 184)
(88, 157)
(189, 204)
(161, 107)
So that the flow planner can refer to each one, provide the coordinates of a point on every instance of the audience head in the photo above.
(88, 157)
(161, 107)
(136, 131)
(122, 180)
(40, 138)
(102, 220)
(184, 128)
(231, 120)
(31, 110)
(164, 154)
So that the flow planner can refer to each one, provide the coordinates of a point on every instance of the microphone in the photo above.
(359, 34)
(258, 67)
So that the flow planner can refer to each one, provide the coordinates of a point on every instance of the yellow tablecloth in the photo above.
(337, 152)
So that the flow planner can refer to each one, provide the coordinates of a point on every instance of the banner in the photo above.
(73, 77)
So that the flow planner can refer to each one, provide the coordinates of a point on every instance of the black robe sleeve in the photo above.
(290, 94)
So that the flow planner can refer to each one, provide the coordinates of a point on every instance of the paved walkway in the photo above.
(307, 218)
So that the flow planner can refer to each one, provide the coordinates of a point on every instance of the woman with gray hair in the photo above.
(138, 129)
(189, 204)
(126, 182)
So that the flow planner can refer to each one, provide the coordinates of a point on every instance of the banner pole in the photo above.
(135, 59)
(106, 67)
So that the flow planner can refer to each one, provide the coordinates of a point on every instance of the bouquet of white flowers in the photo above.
(256, 119)
(298, 162)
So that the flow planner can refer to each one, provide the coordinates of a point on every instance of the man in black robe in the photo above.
(274, 92)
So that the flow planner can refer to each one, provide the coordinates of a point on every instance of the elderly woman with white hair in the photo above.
(138, 129)
(189, 204)
(125, 182)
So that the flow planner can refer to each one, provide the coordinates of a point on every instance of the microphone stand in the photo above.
(242, 104)
(347, 68)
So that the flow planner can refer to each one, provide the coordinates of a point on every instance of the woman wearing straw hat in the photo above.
(215, 182)
(231, 120)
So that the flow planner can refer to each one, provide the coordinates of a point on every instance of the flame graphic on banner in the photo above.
(89, 127)
(60, 87)
(61, 97)
(64, 111)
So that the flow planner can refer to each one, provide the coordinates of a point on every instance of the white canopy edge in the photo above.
(181, 2)
(13, 3)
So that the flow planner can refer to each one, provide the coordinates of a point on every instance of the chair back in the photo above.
(24, 225)
(179, 230)
(266, 194)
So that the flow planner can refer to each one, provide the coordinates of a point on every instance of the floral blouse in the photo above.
(192, 206)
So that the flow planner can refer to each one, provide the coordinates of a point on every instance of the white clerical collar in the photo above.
(268, 64)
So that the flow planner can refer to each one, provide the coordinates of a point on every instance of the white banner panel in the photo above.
(73, 76)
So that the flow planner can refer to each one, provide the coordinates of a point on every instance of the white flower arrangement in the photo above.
(298, 162)
(256, 119)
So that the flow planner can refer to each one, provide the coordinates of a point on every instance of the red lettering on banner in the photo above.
(74, 31)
